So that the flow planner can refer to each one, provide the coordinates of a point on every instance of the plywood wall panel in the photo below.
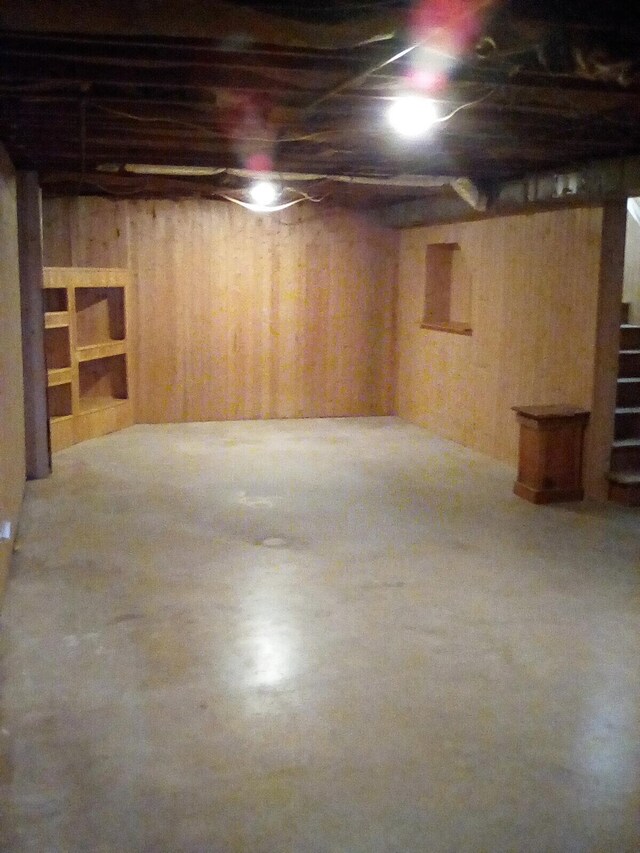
(631, 293)
(158, 380)
(533, 313)
(244, 316)
(56, 225)
(12, 442)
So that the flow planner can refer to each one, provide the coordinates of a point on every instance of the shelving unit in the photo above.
(88, 362)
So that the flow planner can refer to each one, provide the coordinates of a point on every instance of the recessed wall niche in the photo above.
(447, 293)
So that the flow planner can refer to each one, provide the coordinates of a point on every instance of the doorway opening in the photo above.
(624, 474)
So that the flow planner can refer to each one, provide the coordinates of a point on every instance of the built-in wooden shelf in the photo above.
(56, 319)
(55, 299)
(57, 348)
(449, 326)
(97, 404)
(100, 314)
(59, 400)
(61, 431)
(59, 376)
(103, 350)
(65, 277)
(85, 322)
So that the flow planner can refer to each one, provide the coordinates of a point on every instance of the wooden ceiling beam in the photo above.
(485, 122)
(176, 57)
(192, 51)
(457, 159)
(206, 20)
(141, 92)
(105, 144)
(556, 108)
(66, 72)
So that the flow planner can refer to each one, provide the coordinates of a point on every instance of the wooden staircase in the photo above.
(624, 476)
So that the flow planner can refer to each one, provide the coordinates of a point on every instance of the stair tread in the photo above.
(630, 352)
(628, 379)
(626, 442)
(624, 478)
(629, 326)
(628, 410)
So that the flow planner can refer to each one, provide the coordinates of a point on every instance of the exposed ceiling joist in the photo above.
(541, 86)
(197, 19)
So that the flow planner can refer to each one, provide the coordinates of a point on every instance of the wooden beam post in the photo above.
(29, 204)
(600, 431)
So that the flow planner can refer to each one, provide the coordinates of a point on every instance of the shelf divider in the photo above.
(101, 350)
(59, 376)
(56, 319)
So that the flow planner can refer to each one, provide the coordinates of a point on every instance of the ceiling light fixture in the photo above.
(412, 115)
(264, 194)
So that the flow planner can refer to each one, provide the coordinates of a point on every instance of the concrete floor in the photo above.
(336, 635)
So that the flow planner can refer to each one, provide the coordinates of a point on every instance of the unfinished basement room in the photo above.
(319, 426)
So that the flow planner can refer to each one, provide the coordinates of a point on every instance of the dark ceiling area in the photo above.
(94, 97)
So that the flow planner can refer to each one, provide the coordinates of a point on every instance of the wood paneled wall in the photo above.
(244, 316)
(12, 448)
(534, 297)
(632, 269)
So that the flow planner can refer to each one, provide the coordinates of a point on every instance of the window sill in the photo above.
(449, 326)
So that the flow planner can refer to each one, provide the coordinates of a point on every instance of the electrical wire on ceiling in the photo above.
(143, 186)
(139, 189)
(273, 208)
(188, 125)
(359, 78)
(259, 208)
(302, 137)
(305, 196)
(443, 119)
(513, 100)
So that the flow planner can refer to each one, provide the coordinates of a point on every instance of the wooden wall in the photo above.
(535, 281)
(244, 316)
(632, 269)
(12, 452)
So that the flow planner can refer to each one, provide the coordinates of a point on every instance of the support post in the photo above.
(29, 205)
(600, 431)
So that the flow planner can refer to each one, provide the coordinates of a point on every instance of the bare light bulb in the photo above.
(412, 115)
(264, 193)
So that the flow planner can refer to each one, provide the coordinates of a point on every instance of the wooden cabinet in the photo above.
(86, 348)
(550, 456)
